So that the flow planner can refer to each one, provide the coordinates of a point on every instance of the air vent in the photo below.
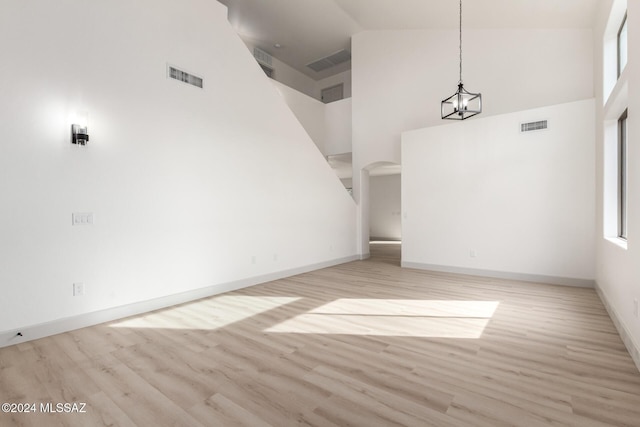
(267, 70)
(533, 126)
(184, 77)
(330, 61)
(262, 57)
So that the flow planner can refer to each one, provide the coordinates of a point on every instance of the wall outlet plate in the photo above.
(78, 289)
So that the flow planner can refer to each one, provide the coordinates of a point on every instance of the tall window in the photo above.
(622, 45)
(622, 176)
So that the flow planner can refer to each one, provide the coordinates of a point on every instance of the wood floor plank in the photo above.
(389, 408)
(141, 401)
(223, 412)
(388, 376)
(175, 380)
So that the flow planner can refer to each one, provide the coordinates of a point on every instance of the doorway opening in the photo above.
(385, 212)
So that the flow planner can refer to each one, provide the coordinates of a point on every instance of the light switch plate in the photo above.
(82, 218)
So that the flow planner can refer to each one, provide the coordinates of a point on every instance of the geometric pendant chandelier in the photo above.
(462, 104)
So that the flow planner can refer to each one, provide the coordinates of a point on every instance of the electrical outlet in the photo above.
(254, 259)
(635, 307)
(78, 289)
(473, 253)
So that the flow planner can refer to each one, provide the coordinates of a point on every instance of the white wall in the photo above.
(400, 77)
(338, 127)
(310, 112)
(385, 207)
(524, 203)
(514, 70)
(190, 188)
(617, 273)
(328, 125)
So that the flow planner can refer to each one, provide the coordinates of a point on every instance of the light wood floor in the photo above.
(361, 344)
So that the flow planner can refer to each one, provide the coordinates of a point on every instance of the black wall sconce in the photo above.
(79, 133)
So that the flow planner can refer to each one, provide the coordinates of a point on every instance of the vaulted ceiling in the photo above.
(307, 30)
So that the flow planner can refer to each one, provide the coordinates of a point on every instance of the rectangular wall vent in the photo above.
(184, 77)
(262, 57)
(330, 61)
(533, 126)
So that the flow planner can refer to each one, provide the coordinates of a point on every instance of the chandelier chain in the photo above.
(460, 81)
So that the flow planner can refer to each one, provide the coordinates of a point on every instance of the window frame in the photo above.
(622, 25)
(622, 176)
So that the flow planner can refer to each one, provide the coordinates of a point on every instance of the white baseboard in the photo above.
(553, 280)
(41, 330)
(632, 346)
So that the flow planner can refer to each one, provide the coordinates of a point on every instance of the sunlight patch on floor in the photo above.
(409, 307)
(388, 317)
(212, 313)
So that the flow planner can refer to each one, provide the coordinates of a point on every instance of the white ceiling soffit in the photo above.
(308, 30)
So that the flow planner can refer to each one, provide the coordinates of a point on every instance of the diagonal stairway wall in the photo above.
(194, 191)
